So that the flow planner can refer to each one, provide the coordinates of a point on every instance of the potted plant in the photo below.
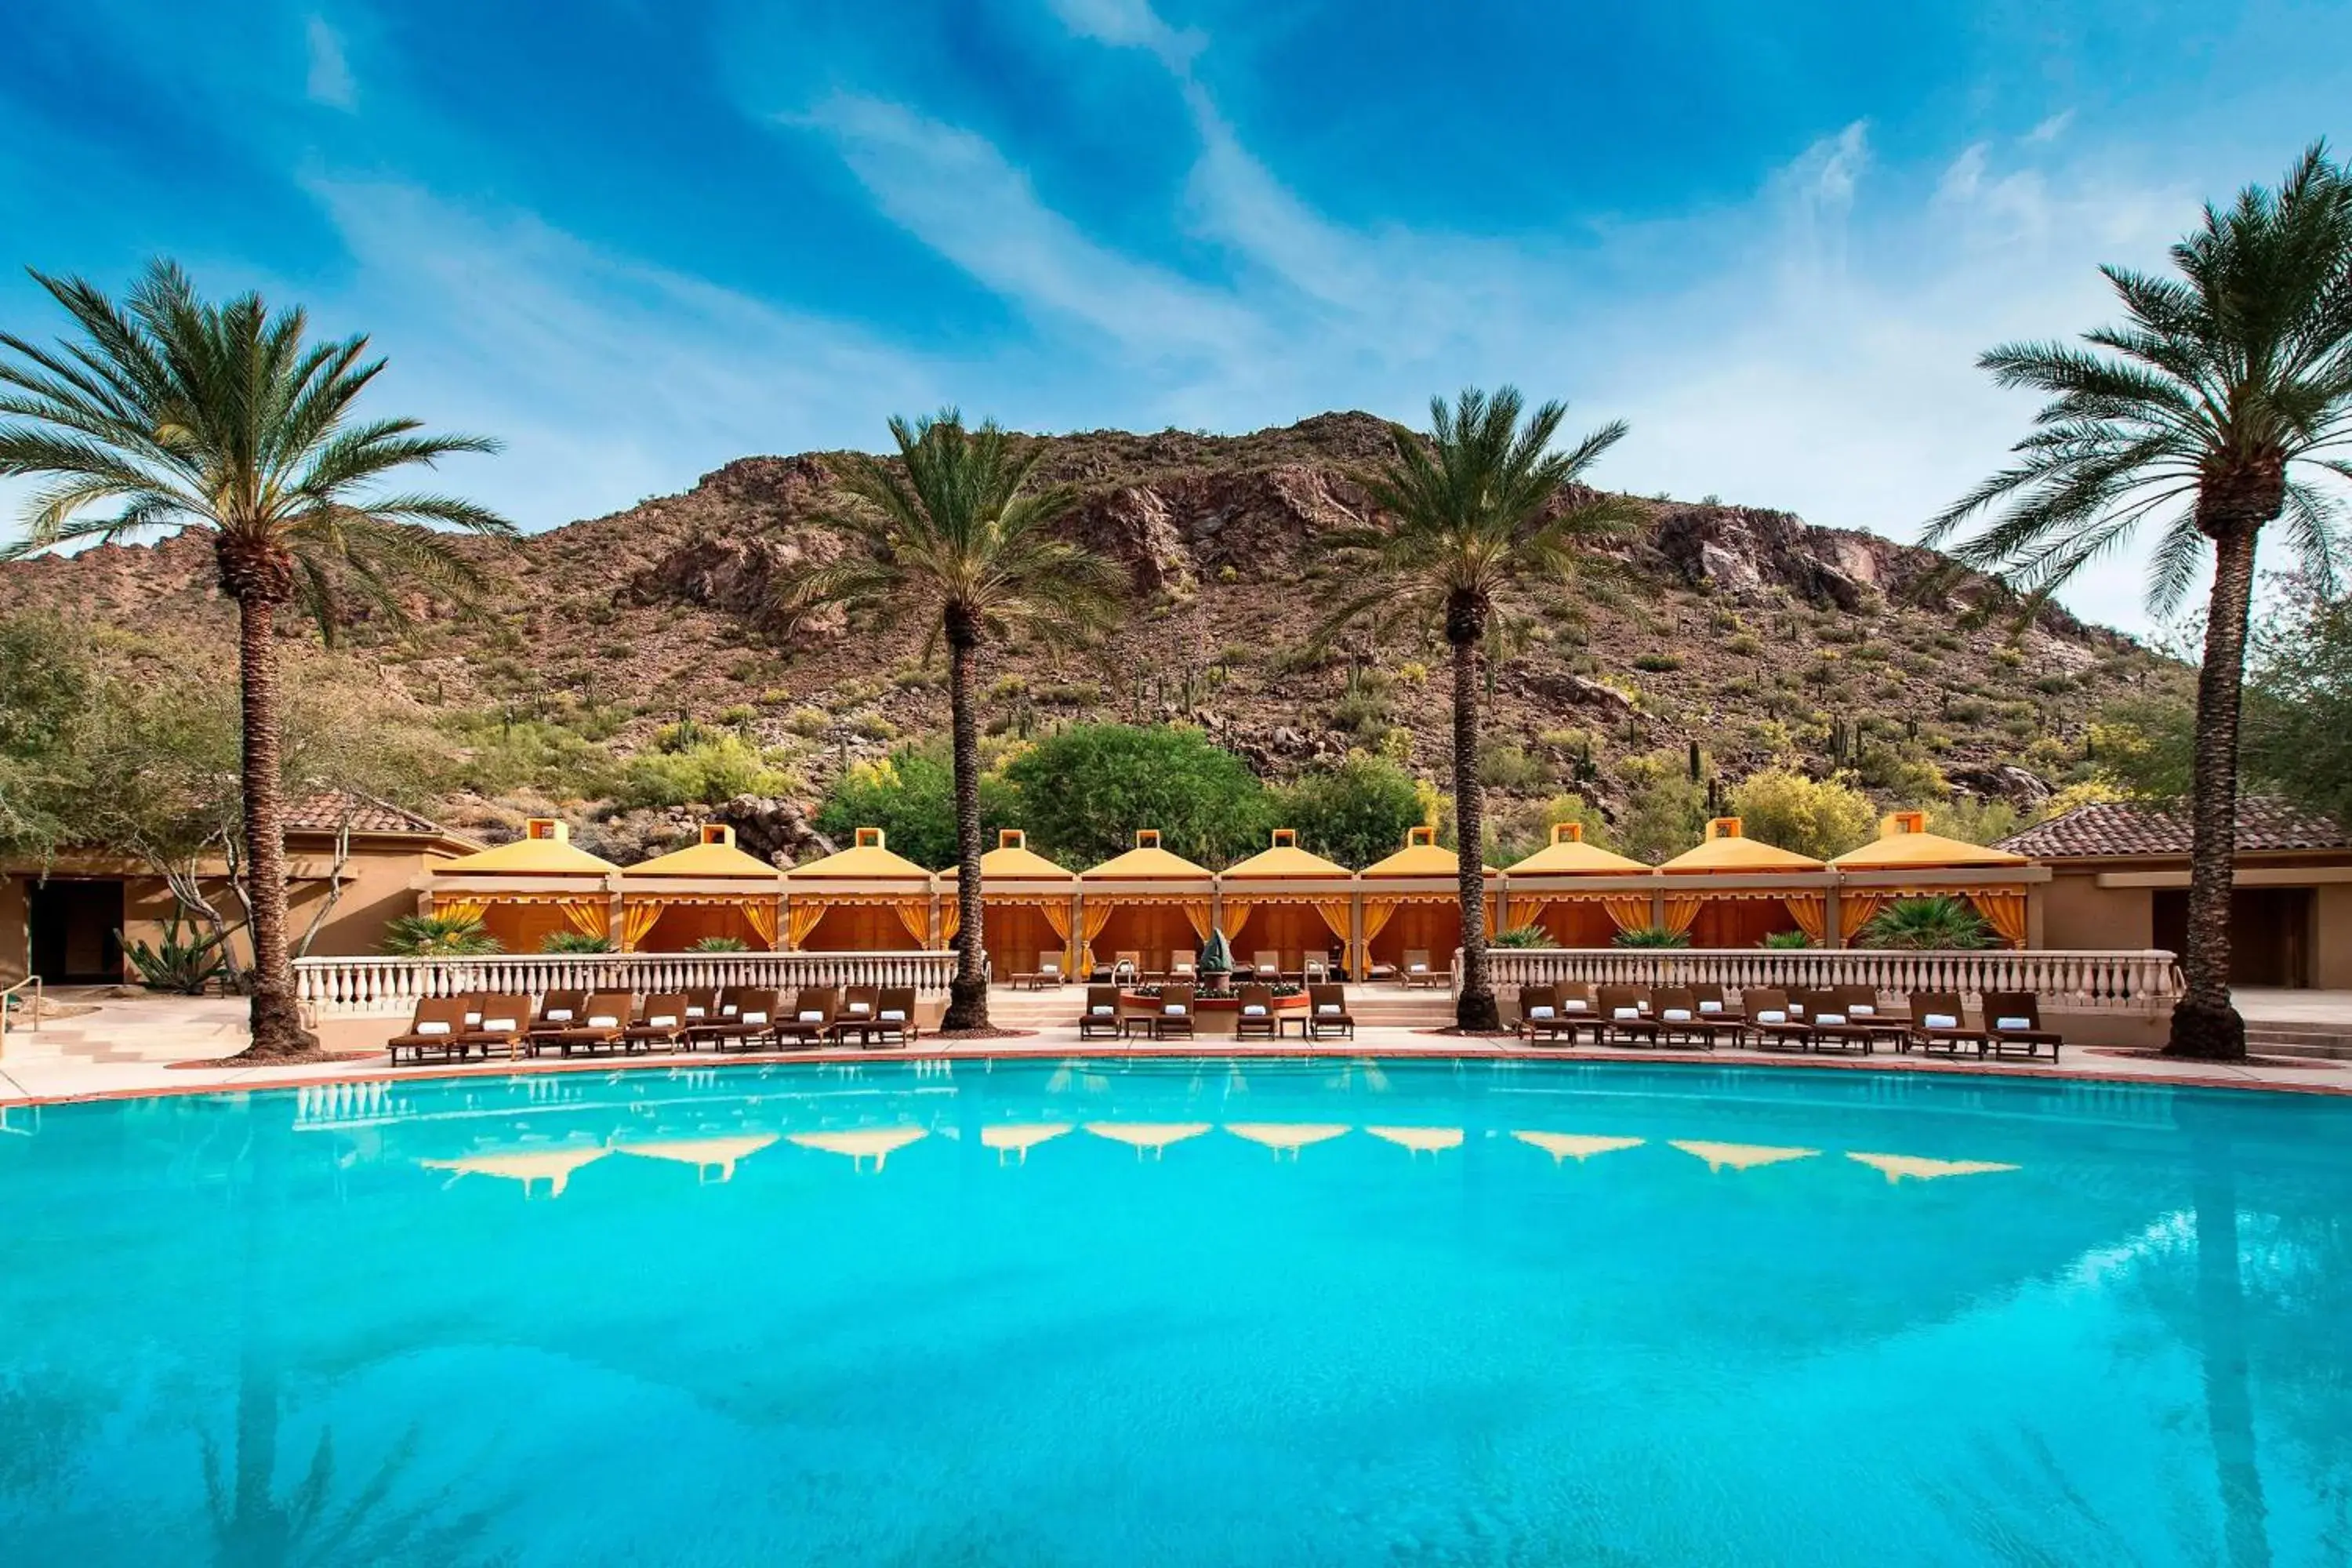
(1216, 965)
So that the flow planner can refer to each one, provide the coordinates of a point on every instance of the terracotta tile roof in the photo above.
(2118, 828)
(330, 810)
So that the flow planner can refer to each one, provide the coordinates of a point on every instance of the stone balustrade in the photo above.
(2122, 981)
(391, 987)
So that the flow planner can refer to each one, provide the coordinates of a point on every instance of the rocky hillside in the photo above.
(1745, 630)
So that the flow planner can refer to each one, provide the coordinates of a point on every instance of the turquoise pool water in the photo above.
(1180, 1312)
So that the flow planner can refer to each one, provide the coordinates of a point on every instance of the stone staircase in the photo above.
(2285, 1038)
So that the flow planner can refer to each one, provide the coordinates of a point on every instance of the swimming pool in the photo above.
(1179, 1311)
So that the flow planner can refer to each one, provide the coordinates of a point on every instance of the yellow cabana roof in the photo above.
(1904, 844)
(1422, 855)
(714, 855)
(1147, 862)
(1569, 855)
(1014, 861)
(1726, 849)
(869, 859)
(543, 850)
(1285, 859)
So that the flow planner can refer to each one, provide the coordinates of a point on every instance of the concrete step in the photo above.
(2268, 1040)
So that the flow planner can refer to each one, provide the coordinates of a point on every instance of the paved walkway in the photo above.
(125, 1046)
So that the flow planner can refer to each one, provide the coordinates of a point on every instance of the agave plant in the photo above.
(718, 945)
(1651, 936)
(575, 942)
(1523, 936)
(184, 964)
(1935, 924)
(438, 936)
(1787, 939)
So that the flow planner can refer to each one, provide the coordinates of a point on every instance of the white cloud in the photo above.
(330, 81)
(2050, 129)
(1130, 23)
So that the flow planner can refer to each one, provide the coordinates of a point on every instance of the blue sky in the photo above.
(653, 237)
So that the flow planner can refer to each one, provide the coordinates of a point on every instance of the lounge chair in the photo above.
(1829, 1026)
(1718, 1019)
(1940, 1021)
(1625, 1012)
(1327, 1012)
(1861, 1007)
(894, 1017)
(601, 1018)
(857, 1007)
(1773, 1023)
(815, 1011)
(2012, 1020)
(1266, 964)
(1257, 1020)
(660, 1022)
(747, 1015)
(1100, 1019)
(501, 1021)
(439, 1026)
(1675, 1008)
(1314, 968)
(1175, 1017)
(1184, 963)
(1415, 970)
(701, 1009)
(1127, 968)
(557, 1010)
(1048, 973)
(1540, 1015)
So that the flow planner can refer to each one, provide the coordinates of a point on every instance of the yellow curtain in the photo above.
(761, 914)
(1682, 913)
(915, 914)
(2004, 911)
(637, 917)
(799, 919)
(1523, 911)
(1198, 913)
(1335, 914)
(461, 909)
(1377, 914)
(1857, 909)
(950, 920)
(587, 916)
(1234, 916)
(1631, 911)
(1098, 916)
(1810, 912)
(1057, 915)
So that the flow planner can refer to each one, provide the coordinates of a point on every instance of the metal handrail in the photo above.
(32, 984)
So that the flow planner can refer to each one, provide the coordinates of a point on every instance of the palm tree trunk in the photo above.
(1475, 1009)
(968, 994)
(278, 1031)
(2204, 1023)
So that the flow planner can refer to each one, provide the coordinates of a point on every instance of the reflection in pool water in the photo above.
(1169, 1311)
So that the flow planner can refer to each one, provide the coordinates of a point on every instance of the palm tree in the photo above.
(177, 413)
(2224, 395)
(1459, 518)
(1938, 922)
(952, 532)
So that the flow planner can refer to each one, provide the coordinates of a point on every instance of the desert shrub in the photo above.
(774, 697)
(1657, 663)
(873, 727)
(1086, 790)
(1354, 811)
(1005, 688)
(1819, 817)
(706, 771)
(1666, 808)
(737, 716)
(1746, 645)
(1511, 767)
(808, 722)
(1069, 694)
(183, 960)
(1974, 819)
(1900, 772)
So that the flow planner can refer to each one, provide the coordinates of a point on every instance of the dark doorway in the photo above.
(2270, 933)
(75, 931)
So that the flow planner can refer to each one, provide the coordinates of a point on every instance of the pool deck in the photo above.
(132, 1047)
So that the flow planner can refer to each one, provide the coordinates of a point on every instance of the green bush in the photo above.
(1086, 790)
(1650, 936)
(1508, 766)
(1657, 663)
(1522, 936)
(184, 963)
(911, 795)
(574, 942)
(1935, 924)
(1355, 812)
(1781, 940)
(1666, 808)
(707, 771)
(718, 945)
(1819, 817)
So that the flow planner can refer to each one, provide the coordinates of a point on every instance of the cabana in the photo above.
(864, 899)
(1578, 893)
(709, 889)
(1906, 861)
(1147, 901)
(1733, 891)
(531, 890)
(1286, 901)
(1026, 902)
(1411, 902)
